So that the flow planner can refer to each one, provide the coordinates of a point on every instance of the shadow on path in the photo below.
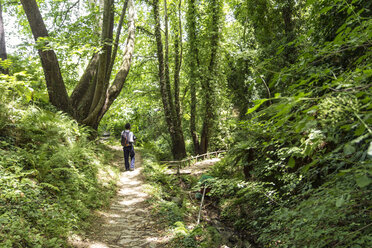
(127, 222)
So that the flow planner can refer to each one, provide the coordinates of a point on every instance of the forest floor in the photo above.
(128, 222)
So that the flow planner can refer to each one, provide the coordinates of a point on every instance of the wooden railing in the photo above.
(192, 160)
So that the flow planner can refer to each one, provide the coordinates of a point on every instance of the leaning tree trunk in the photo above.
(93, 95)
(53, 77)
(3, 54)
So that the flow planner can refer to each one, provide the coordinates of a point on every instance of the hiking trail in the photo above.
(127, 222)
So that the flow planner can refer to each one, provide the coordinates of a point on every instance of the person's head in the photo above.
(127, 126)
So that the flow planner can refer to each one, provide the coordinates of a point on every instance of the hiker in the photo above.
(127, 140)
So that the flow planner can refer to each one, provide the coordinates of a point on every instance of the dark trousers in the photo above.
(129, 151)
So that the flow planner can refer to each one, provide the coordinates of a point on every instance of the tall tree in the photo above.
(3, 54)
(177, 66)
(171, 112)
(208, 64)
(209, 82)
(93, 95)
(193, 73)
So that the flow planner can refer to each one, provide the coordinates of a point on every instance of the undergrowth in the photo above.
(300, 172)
(175, 206)
(48, 172)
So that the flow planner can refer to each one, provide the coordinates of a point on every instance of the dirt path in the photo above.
(127, 222)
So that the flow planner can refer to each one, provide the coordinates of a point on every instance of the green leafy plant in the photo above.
(49, 173)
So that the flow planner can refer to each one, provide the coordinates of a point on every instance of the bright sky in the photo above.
(12, 38)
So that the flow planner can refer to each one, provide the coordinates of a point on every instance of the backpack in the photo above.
(125, 139)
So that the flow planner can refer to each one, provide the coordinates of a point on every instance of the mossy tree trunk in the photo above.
(209, 78)
(209, 82)
(170, 105)
(194, 64)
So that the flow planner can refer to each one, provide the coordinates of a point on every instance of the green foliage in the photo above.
(302, 151)
(170, 212)
(174, 208)
(333, 215)
(166, 194)
(48, 168)
(299, 172)
(200, 236)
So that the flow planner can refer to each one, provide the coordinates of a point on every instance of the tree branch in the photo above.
(102, 82)
(115, 89)
(116, 44)
(144, 30)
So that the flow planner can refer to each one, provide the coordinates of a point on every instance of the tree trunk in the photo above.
(55, 85)
(166, 61)
(208, 84)
(287, 13)
(3, 54)
(177, 106)
(161, 73)
(193, 65)
(103, 64)
(114, 90)
(118, 32)
(174, 125)
(92, 96)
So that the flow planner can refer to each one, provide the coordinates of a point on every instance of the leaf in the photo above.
(360, 130)
(363, 181)
(342, 28)
(291, 162)
(325, 10)
(311, 124)
(50, 186)
(340, 201)
(349, 149)
(307, 167)
(280, 50)
(309, 2)
(359, 139)
(346, 127)
(368, 72)
(258, 104)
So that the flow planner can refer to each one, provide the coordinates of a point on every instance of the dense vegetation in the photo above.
(48, 171)
(298, 173)
(284, 85)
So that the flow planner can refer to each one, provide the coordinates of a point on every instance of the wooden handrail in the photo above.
(179, 163)
(192, 157)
